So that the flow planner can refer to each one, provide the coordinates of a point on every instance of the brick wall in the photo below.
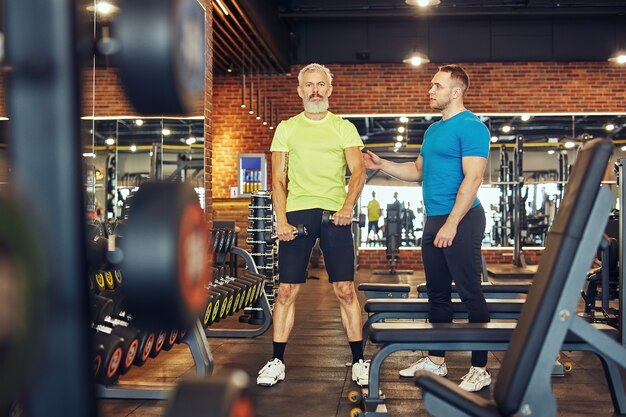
(208, 115)
(411, 258)
(398, 88)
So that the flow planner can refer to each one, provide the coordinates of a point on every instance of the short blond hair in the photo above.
(315, 67)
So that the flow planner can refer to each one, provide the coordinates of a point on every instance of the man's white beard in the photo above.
(315, 107)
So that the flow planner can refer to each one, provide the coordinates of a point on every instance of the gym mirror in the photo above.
(547, 144)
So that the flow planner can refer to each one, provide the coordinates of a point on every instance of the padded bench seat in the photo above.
(380, 290)
(417, 308)
(490, 290)
(420, 305)
(492, 336)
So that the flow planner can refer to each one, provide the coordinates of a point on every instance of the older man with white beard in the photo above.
(310, 153)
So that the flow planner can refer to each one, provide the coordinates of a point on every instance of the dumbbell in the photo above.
(170, 340)
(101, 307)
(299, 232)
(130, 344)
(327, 218)
(211, 309)
(108, 348)
(145, 339)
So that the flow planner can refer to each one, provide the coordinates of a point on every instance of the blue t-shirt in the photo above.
(446, 142)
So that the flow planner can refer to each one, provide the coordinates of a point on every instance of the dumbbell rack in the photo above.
(262, 309)
(202, 358)
(264, 255)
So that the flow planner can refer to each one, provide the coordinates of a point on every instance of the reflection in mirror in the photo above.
(529, 162)
(130, 151)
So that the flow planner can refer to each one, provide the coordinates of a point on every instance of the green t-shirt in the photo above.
(373, 210)
(317, 163)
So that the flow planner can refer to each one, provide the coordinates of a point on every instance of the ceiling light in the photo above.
(398, 145)
(551, 152)
(525, 117)
(569, 144)
(422, 3)
(619, 58)
(89, 155)
(399, 138)
(103, 8)
(609, 127)
(623, 148)
(224, 10)
(190, 141)
(166, 132)
(133, 148)
(506, 128)
(401, 129)
(416, 60)
(139, 122)
(404, 119)
(109, 141)
(494, 139)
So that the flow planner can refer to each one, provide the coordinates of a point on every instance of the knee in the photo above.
(286, 294)
(345, 292)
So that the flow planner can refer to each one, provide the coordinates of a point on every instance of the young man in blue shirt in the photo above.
(450, 166)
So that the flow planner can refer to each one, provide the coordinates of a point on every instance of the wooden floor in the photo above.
(317, 379)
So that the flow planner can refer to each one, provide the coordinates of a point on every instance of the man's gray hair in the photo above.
(315, 67)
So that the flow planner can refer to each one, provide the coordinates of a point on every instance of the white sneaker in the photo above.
(475, 380)
(361, 372)
(425, 364)
(271, 373)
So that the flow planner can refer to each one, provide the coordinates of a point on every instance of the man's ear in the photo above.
(457, 91)
(300, 92)
(330, 90)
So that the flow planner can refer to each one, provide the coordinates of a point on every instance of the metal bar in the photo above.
(622, 248)
(46, 158)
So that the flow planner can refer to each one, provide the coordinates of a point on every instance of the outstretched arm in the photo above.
(407, 171)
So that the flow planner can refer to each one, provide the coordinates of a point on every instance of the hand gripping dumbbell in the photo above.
(327, 218)
(299, 232)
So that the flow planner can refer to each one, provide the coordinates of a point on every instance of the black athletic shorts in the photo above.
(335, 241)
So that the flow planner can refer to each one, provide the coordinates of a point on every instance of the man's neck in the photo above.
(452, 110)
(315, 116)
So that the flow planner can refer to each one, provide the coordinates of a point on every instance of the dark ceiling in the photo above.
(265, 37)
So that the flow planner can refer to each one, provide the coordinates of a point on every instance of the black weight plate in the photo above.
(165, 255)
(161, 57)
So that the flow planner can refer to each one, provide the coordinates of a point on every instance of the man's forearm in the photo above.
(405, 171)
(464, 198)
(355, 187)
(279, 200)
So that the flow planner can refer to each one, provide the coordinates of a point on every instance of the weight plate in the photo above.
(165, 255)
(161, 57)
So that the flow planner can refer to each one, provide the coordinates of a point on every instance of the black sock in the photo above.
(357, 350)
(279, 350)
